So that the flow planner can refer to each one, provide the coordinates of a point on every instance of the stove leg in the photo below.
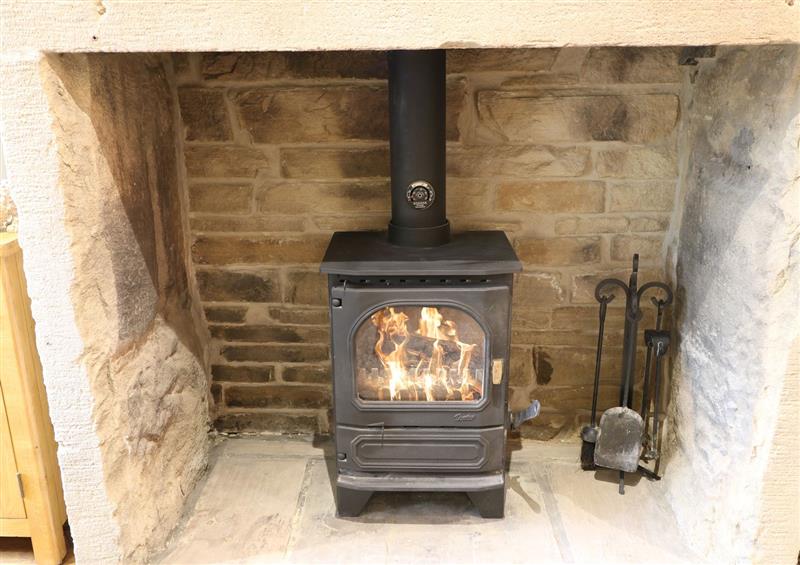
(349, 502)
(490, 503)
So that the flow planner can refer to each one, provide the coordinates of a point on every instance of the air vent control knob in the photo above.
(420, 195)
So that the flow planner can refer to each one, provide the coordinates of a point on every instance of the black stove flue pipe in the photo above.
(417, 124)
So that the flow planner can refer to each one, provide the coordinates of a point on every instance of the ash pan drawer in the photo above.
(420, 449)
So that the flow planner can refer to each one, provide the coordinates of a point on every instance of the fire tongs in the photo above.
(622, 439)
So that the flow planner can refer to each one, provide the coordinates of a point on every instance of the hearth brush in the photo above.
(589, 433)
(617, 442)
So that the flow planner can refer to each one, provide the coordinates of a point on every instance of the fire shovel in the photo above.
(619, 441)
(619, 437)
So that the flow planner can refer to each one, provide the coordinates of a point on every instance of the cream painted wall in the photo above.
(292, 25)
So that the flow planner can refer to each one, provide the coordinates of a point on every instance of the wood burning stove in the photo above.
(420, 325)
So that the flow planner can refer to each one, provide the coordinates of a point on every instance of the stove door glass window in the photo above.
(420, 354)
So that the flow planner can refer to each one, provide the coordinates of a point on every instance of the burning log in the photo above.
(455, 395)
(407, 395)
(384, 393)
(439, 392)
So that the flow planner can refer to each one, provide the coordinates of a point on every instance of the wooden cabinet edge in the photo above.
(35, 450)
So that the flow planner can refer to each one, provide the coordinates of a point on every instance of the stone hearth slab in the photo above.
(242, 512)
(270, 501)
(418, 528)
(635, 528)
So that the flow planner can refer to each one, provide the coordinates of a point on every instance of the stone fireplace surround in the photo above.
(109, 157)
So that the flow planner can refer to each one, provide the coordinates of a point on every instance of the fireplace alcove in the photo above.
(140, 281)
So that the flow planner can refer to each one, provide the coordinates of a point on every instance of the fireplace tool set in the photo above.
(625, 436)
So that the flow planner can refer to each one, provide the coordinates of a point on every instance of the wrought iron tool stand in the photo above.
(623, 436)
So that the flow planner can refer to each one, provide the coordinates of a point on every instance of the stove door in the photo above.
(420, 356)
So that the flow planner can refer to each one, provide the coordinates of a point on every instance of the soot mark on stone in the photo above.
(607, 119)
(366, 163)
(542, 367)
(360, 194)
(741, 147)
(626, 57)
(590, 252)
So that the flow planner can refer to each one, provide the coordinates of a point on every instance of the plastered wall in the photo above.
(105, 257)
(738, 277)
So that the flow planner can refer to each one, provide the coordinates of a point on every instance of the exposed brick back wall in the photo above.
(572, 152)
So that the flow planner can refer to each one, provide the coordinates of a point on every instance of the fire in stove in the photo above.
(431, 364)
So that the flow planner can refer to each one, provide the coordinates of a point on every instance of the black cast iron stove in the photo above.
(420, 325)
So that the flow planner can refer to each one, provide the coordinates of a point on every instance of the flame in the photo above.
(422, 365)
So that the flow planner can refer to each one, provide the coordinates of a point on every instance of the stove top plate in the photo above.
(467, 253)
